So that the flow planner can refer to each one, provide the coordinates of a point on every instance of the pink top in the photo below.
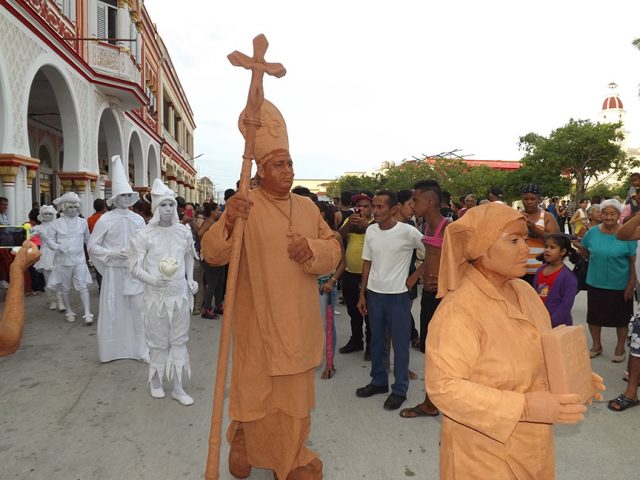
(437, 239)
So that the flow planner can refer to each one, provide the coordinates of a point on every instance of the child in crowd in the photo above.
(633, 195)
(554, 282)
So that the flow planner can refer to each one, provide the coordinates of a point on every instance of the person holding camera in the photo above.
(353, 230)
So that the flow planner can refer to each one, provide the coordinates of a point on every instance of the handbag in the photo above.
(580, 271)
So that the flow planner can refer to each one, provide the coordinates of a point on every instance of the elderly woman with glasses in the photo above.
(611, 279)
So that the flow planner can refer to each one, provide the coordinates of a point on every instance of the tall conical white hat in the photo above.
(159, 193)
(119, 182)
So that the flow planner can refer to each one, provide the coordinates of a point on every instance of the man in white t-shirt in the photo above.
(387, 252)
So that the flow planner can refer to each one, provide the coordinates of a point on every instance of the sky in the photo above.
(372, 81)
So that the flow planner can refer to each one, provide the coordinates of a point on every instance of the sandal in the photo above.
(595, 353)
(415, 412)
(621, 403)
(327, 373)
(618, 358)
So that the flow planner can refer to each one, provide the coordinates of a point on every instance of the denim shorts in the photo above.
(633, 340)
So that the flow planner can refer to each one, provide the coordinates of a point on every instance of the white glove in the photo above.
(118, 254)
(193, 286)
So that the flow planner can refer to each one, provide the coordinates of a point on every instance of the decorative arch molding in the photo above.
(135, 154)
(153, 164)
(67, 105)
(108, 119)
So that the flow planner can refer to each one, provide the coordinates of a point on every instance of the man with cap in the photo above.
(277, 338)
(353, 231)
(162, 256)
(120, 325)
(540, 223)
(67, 237)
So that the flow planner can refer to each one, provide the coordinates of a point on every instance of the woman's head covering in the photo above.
(531, 188)
(468, 238)
(611, 203)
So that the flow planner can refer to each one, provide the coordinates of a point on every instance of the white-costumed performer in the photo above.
(47, 256)
(68, 236)
(120, 325)
(162, 256)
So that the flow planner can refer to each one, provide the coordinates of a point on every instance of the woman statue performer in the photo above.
(162, 256)
(47, 256)
(485, 366)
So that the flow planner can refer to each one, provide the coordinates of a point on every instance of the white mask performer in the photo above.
(47, 256)
(69, 235)
(162, 256)
(120, 325)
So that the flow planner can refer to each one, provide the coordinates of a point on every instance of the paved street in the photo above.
(63, 415)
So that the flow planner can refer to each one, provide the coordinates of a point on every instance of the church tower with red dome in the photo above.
(613, 111)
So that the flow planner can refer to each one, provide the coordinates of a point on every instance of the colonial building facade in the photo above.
(80, 82)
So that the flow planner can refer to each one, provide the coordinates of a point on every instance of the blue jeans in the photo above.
(390, 314)
(324, 302)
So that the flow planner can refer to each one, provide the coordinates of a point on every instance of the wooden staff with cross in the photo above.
(251, 120)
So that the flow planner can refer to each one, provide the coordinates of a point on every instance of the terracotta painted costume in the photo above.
(277, 334)
(483, 355)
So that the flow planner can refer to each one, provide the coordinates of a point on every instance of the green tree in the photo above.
(551, 182)
(580, 149)
(453, 175)
(355, 183)
(603, 191)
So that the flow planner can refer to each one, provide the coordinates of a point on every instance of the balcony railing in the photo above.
(112, 60)
(175, 145)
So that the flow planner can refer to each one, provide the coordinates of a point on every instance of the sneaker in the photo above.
(394, 401)
(53, 305)
(70, 317)
(208, 314)
(88, 319)
(371, 390)
(351, 347)
(183, 398)
(156, 392)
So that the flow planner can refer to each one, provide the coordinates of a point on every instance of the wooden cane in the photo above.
(251, 120)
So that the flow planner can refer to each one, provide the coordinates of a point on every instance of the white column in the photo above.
(9, 191)
(123, 22)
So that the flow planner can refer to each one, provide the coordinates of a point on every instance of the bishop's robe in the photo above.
(483, 354)
(277, 332)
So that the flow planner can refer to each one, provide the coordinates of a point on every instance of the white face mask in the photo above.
(71, 210)
(124, 200)
(47, 217)
(166, 209)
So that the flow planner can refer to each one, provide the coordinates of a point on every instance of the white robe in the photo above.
(120, 321)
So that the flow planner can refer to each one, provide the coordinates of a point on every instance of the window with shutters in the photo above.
(107, 12)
